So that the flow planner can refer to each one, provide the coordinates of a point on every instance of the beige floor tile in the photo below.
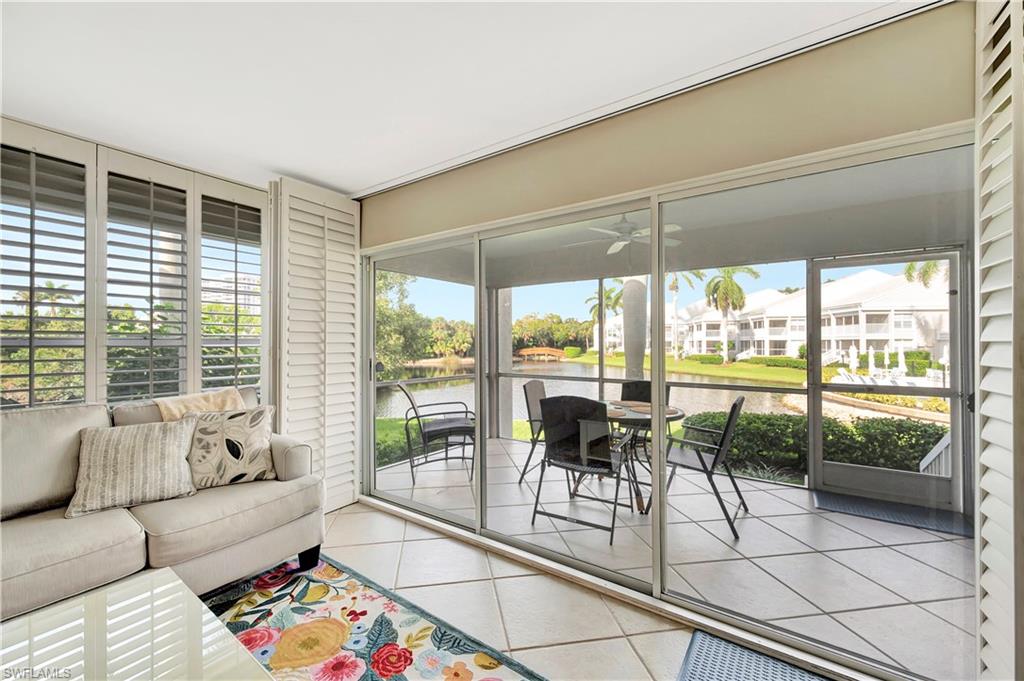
(634, 620)
(365, 528)
(917, 640)
(611, 660)
(516, 520)
(591, 546)
(673, 581)
(952, 557)
(762, 503)
(962, 612)
(909, 578)
(415, 532)
(691, 543)
(700, 506)
(503, 567)
(794, 495)
(757, 538)
(826, 583)
(458, 499)
(819, 532)
(663, 652)
(548, 540)
(742, 586)
(825, 628)
(470, 606)
(440, 561)
(499, 460)
(541, 610)
(882, 532)
(378, 562)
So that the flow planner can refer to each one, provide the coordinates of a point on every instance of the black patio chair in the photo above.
(708, 456)
(577, 439)
(640, 391)
(534, 392)
(438, 422)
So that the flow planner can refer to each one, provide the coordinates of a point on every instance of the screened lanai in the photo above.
(831, 302)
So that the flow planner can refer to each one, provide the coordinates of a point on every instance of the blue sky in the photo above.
(455, 301)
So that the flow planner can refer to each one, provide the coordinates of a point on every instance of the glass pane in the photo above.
(886, 324)
(547, 289)
(425, 406)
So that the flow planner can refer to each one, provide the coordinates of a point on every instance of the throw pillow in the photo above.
(232, 446)
(131, 465)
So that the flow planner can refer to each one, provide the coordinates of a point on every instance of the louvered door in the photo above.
(999, 249)
(317, 390)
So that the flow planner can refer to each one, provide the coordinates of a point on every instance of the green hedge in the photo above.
(777, 361)
(573, 351)
(780, 440)
(706, 359)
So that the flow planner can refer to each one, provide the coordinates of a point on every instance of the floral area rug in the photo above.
(333, 624)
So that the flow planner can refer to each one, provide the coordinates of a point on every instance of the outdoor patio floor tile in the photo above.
(440, 561)
(673, 581)
(819, 533)
(516, 520)
(800, 497)
(951, 557)
(742, 586)
(911, 579)
(700, 506)
(961, 612)
(609, 660)
(628, 551)
(916, 639)
(378, 562)
(826, 583)
(690, 543)
(757, 538)
(471, 607)
(882, 532)
(662, 652)
(762, 503)
(826, 628)
(541, 610)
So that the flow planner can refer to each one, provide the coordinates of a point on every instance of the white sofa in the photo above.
(210, 539)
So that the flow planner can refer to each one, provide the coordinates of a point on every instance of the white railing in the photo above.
(939, 461)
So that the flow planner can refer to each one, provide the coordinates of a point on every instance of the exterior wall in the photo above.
(905, 76)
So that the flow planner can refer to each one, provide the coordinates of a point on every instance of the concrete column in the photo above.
(503, 335)
(634, 324)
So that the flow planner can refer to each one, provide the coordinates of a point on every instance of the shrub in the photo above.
(777, 361)
(801, 352)
(706, 359)
(573, 351)
(936, 404)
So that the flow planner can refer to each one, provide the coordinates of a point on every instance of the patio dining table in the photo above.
(634, 419)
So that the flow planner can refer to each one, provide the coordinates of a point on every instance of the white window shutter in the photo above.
(999, 239)
(317, 390)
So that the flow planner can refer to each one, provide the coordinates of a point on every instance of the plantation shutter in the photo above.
(999, 239)
(318, 299)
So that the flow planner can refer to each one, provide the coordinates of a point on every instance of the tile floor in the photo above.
(894, 593)
(557, 628)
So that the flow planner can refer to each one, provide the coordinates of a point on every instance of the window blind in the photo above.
(42, 280)
(230, 300)
(146, 265)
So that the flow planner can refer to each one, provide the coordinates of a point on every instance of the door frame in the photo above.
(888, 484)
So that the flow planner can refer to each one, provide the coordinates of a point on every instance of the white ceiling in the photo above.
(358, 97)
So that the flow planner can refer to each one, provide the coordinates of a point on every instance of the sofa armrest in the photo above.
(292, 459)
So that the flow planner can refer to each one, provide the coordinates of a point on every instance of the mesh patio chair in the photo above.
(436, 423)
(534, 393)
(708, 456)
(640, 391)
(577, 439)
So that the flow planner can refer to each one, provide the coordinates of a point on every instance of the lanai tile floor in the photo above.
(891, 592)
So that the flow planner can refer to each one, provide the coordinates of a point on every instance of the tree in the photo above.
(612, 303)
(924, 272)
(673, 286)
(402, 334)
(725, 294)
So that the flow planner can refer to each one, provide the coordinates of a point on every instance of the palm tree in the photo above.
(924, 272)
(673, 286)
(612, 302)
(48, 293)
(725, 294)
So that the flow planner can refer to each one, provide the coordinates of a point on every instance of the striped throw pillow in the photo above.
(131, 465)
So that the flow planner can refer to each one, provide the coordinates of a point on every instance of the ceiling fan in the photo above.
(625, 232)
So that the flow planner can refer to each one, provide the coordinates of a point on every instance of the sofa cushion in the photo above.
(181, 529)
(40, 455)
(146, 411)
(47, 557)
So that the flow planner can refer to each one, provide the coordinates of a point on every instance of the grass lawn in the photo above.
(737, 370)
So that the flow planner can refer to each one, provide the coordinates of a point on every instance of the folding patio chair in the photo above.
(534, 393)
(707, 457)
(438, 425)
(577, 439)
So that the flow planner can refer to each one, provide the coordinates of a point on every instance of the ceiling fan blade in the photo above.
(617, 246)
(646, 231)
(672, 228)
(609, 232)
(583, 243)
(672, 242)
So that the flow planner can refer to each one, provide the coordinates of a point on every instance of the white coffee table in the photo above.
(145, 626)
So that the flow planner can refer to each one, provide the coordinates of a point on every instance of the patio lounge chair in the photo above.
(534, 393)
(708, 456)
(434, 423)
(577, 439)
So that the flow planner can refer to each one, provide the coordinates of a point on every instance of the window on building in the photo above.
(758, 323)
(777, 347)
(146, 263)
(42, 285)
(714, 326)
(231, 322)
